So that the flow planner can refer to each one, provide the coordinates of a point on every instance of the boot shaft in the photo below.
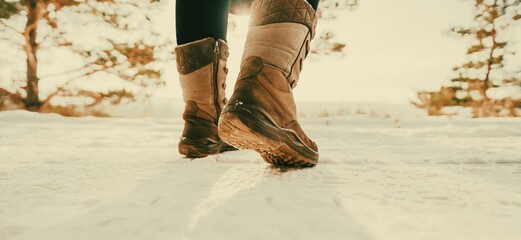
(202, 76)
(276, 45)
(280, 33)
(278, 11)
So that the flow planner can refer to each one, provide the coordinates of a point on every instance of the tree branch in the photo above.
(64, 73)
(54, 94)
(85, 67)
(10, 27)
(44, 39)
(14, 97)
(62, 88)
(10, 40)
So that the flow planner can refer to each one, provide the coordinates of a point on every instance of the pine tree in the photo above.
(128, 51)
(484, 72)
(325, 43)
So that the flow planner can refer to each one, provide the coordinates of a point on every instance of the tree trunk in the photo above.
(34, 9)
(487, 106)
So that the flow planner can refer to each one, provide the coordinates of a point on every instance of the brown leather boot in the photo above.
(261, 114)
(202, 73)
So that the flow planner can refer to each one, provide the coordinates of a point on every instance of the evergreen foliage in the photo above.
(127, 51)
(483, 83)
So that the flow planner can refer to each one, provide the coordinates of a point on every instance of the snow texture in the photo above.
(378, 178)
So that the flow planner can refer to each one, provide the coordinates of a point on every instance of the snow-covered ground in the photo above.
(378, 178)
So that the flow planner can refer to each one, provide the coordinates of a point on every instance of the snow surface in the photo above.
(378, 178)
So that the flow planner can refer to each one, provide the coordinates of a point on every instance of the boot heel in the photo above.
(244, 133)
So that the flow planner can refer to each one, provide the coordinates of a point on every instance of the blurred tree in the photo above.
(329, 9)
(122, 49)
(127, 50)
(325, 43)
(485, 71)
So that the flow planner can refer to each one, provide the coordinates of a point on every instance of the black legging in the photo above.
(198, 19)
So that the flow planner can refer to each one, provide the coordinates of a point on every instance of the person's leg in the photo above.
(198, 19)
(314, 4)
(201, 62)
(261, 114)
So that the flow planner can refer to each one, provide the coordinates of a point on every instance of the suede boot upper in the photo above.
(202, 73)
(277, 43)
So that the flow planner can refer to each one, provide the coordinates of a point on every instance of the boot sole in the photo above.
(192, 149)
(242, 129)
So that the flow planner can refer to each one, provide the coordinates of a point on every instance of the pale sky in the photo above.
(394, 47)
